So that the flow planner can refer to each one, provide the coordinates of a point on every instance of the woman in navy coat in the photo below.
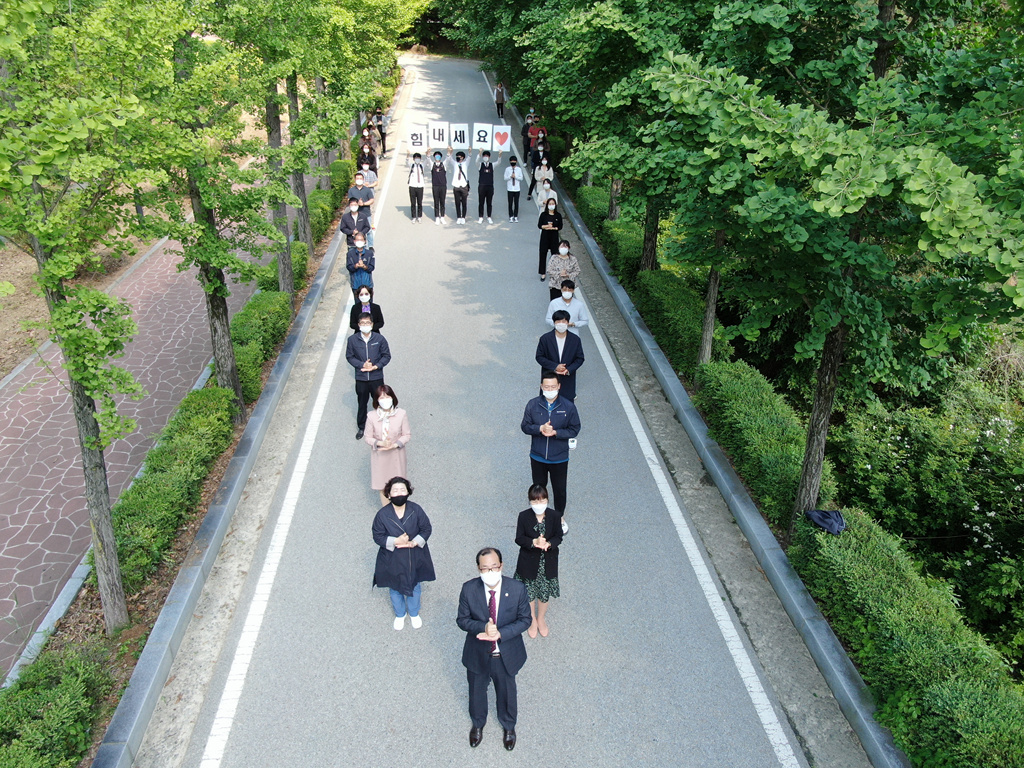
(401, 530)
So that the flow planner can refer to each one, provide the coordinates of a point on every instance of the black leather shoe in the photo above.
(509, 739)
(476, 735)
(359, 435)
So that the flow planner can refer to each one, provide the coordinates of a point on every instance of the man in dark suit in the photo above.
(494, 611)
(561, 352)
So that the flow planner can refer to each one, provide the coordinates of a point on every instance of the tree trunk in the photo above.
(279, 213)
(216, 292)
(613, 199)
(817, 427)
(97, 490)
(298, 177)
(707, 329)
(649, 254)
(886, 41)
(588, 178)
(323, 156)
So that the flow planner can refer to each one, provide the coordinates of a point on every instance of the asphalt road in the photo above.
(637, 668)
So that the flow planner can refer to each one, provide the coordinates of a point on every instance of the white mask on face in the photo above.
(491, 578)
(539, 508)
(359, 182)
(563, 250)
(364, 298)
(567, 295)
(366, 166)
(358, 243)
(561, 327)
(551, 207)
(354, 208)
(546, 185)
(550, 394)
(365, 329)
(385, 403)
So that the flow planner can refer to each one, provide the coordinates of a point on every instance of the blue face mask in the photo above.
(437, 158)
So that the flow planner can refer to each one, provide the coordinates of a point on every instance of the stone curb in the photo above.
(124, 734)
(847, 685)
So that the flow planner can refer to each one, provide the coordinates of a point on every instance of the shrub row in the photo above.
(46, 716)
(342, 172)
(762, 433)
(266, 276)
(147, 516)
(255, 330)
(944, 692)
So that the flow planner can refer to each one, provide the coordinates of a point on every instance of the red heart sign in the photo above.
(501, 137)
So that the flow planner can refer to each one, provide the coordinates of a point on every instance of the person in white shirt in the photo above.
(514, 178)
(578, 316)
(417, 175)
(485, 184)
(546, 193)
(369, 177)
(460, 186)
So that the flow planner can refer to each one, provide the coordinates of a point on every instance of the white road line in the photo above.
(223, 720)
(765, 712)
(378, 204)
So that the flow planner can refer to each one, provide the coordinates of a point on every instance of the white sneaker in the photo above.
(437, 220)
(542, 278)
(400, 620)
(417, 622)
(489, 220)
(565, 530)
(511, 219)
(480, 220)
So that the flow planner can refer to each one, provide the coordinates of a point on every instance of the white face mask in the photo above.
(491, 578)
(359, 182)
(561, 327)
(551, 208)
(563, 250)
(547, 186)
(550, 394)
(539, 509)
(358, 243)
(365, 329)
(353, 208)
(364, 298)
(385, 403)
(366, 166)
(567, 295)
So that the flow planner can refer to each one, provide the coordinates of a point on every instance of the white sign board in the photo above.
(458, 135)
(418, 138)
(482, 134)
(502, 138)
(438, 136)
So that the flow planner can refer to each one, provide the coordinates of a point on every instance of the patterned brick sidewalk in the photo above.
(42, 508)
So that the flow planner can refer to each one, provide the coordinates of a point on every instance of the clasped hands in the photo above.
(403, 542)
(490, 633)
(547, 430)
(561, 370)
(541, 543)
(386, 444)
(368, 366)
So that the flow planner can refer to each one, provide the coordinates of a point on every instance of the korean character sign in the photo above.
(438, 134)
(458, 135)
(482, 135)
(418, 138)
(502, 138)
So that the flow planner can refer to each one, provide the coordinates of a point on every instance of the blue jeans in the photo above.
(403, 604)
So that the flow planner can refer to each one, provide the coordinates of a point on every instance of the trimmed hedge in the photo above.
(674, 311)
(266, 277)
(249, 361)
(321, 212)
(264, 319)
(945, 693)
(147, 516)
(341, 179)
(592, 203)
(46, 716)
(761, 432)
(623, 243)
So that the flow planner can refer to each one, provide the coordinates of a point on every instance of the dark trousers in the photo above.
(440, 193)
(461, 195)
(557, 473)
(533, 185)
(548, 244)
(364, 391)
(416, 202)
(383, 144)
(486, 195)
(513, 204)
(501, 108)
(504, 695)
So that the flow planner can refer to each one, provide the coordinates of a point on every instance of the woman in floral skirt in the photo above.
(538, 534)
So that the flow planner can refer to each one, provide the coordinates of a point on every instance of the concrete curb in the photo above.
(128, 725)
(847, 685)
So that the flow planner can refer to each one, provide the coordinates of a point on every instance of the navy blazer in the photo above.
(513, 619)
(572, 356)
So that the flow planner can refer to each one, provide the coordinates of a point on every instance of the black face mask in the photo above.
(399, 501)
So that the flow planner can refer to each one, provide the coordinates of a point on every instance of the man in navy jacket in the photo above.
(368, 353)
(494, 611)
(551, 421)
(561, 352)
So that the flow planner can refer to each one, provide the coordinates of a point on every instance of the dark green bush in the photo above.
(249, 360)
(321, 213)
(592, 203)
(341, 179)
(266, 277)
(47, 715)
(557, 145)
(945, 693)
(674, 312)
(762, 434)
(623, 242)
(265, 318)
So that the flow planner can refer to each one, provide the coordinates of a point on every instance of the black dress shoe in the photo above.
(476, 735)
(509, 739)
(359, 435)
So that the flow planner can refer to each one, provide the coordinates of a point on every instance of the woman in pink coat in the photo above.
(387, 433)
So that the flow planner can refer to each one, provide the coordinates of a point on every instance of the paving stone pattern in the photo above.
(45, 522)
